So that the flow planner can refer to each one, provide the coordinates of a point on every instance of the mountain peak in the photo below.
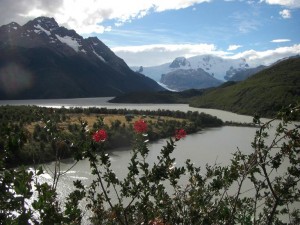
(94, 40)
(221, 68)
(178, 62)
(13, 26)
(62, 63)
(46, 22)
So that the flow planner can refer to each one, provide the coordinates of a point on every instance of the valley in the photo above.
(197, 133)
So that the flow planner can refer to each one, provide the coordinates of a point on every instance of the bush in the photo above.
(154, 195)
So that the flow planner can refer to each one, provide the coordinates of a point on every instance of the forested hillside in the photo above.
(264, 93)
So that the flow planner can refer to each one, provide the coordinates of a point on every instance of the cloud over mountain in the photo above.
(152, 32)
(159, 54)
(233, 47)
(87, 16)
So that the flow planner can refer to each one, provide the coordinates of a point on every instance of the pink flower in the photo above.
(140, 126)
(100, 136)
(181, 133)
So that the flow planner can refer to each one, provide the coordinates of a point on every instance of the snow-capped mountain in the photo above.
(215, 66)
(183, 79)
(45, 32)
(55, 56)
(242, 74)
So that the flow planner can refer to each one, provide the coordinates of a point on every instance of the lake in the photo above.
(202, 148)
(213, 145)
(102, 102)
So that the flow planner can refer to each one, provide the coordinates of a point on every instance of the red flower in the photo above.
(156, 221)
(140, 126)
(100, 136)
(181, 133)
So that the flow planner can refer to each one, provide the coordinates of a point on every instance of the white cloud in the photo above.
(286, 3)
(286, 14)
(245, 21)
(233, 47)
(255, 58)
(87, 16)
(162, 5)
(280, 40)
(152, 55)
(34, 13)
(21, 11)
(156, 54)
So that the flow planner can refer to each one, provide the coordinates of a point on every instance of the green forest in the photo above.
(265, 93)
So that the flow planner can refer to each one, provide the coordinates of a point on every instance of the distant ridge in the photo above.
(202, 71)
(44, 60)
(264, 93)
(181, 79)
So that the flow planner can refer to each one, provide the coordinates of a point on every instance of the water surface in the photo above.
(102, 102)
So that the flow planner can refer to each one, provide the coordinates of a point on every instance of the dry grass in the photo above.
(108, 119)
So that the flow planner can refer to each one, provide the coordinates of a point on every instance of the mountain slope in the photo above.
(265, 92)
(189, 79)
(44, 60)
(233, 75)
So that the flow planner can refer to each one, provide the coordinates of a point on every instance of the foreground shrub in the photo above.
(257, 188)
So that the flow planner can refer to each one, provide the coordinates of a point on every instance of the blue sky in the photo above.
(221, 23)
(152, 32)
